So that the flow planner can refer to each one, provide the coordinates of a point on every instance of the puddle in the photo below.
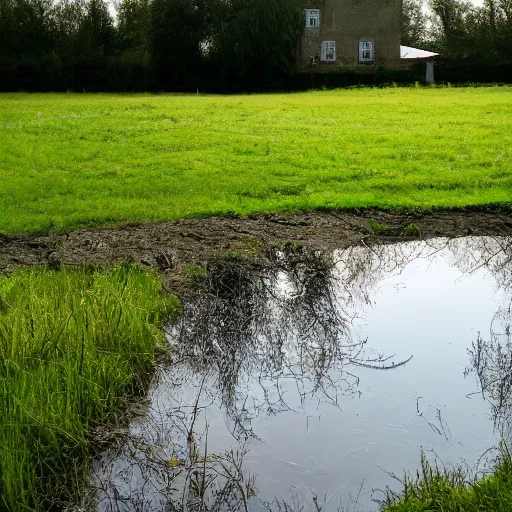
(313, 382)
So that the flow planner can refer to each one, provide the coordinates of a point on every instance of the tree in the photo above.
(414, 23)
(7, 27)
(134, 26)
(477, 33)
(69, 20)
(96, 32)
(503, 32)
(255, 37)
(26, 27)
(178, 34)
(451, 15)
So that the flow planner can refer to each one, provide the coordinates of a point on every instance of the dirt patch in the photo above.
(182, 247)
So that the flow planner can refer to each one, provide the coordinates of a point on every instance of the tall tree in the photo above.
(28, 26)
(96, 33)
(451, 15)
(414, 23)
(178, 32)
(134, 26)
(478, 33)
(503, 33)
(255, 36)
(69, 20)
(7, 27)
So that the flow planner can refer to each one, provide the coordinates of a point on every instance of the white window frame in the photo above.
(328, 53)
(366, 51)
(312, 18)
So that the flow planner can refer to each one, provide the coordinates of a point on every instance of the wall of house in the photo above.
(347, 22)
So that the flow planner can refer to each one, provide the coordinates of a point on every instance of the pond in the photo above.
(317, 380)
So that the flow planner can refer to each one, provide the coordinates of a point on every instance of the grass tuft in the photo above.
(441, 490)
(73, 345)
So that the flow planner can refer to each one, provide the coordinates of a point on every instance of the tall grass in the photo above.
(73, 343)
(442, 490)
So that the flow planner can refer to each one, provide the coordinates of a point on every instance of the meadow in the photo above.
(74, 345)
(81, 160)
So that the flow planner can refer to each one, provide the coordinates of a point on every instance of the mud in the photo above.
(176, 247)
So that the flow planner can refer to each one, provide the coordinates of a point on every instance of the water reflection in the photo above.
(491, 353)
(258, 349)
(491, 360)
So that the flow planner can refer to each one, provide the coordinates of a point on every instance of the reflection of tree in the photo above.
(491, 360)
(287, 324)
(491, 253)
(360, 268)
(247, 337)
(164, 464)
(491, 357)
(217, 328)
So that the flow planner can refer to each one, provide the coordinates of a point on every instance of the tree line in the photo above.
(145, 44)
(211, 44)
(475, 41)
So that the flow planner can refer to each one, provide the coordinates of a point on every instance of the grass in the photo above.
(436, 490)
(73, 345)
(78, 160)
(409, 230)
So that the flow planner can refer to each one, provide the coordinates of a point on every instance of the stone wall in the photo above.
(347, 22)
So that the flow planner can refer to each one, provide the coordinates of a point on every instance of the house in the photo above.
(354, 34)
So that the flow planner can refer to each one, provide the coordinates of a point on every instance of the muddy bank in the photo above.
(173, 247)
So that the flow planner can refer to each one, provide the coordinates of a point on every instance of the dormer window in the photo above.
(312, 18)
(366, 51)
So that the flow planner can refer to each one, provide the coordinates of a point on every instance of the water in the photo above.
(317, 379)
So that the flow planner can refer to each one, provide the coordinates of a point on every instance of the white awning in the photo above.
(406, 52)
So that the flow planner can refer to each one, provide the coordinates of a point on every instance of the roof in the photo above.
(406, 52)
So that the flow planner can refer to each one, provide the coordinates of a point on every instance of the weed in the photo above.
(411, 230)
(292, 247)
(379, 228)
(252, 246)
(454, 490)
(195, 272)
(229, 256)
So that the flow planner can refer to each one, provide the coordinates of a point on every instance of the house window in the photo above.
(328, 51)
(312, 18)
(365, 51)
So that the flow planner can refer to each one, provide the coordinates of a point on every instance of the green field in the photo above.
(75, 160)
(455, 490)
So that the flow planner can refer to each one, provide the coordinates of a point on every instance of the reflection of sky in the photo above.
(405, 299)
(428, 310)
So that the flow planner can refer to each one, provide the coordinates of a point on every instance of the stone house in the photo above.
(350, 34)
